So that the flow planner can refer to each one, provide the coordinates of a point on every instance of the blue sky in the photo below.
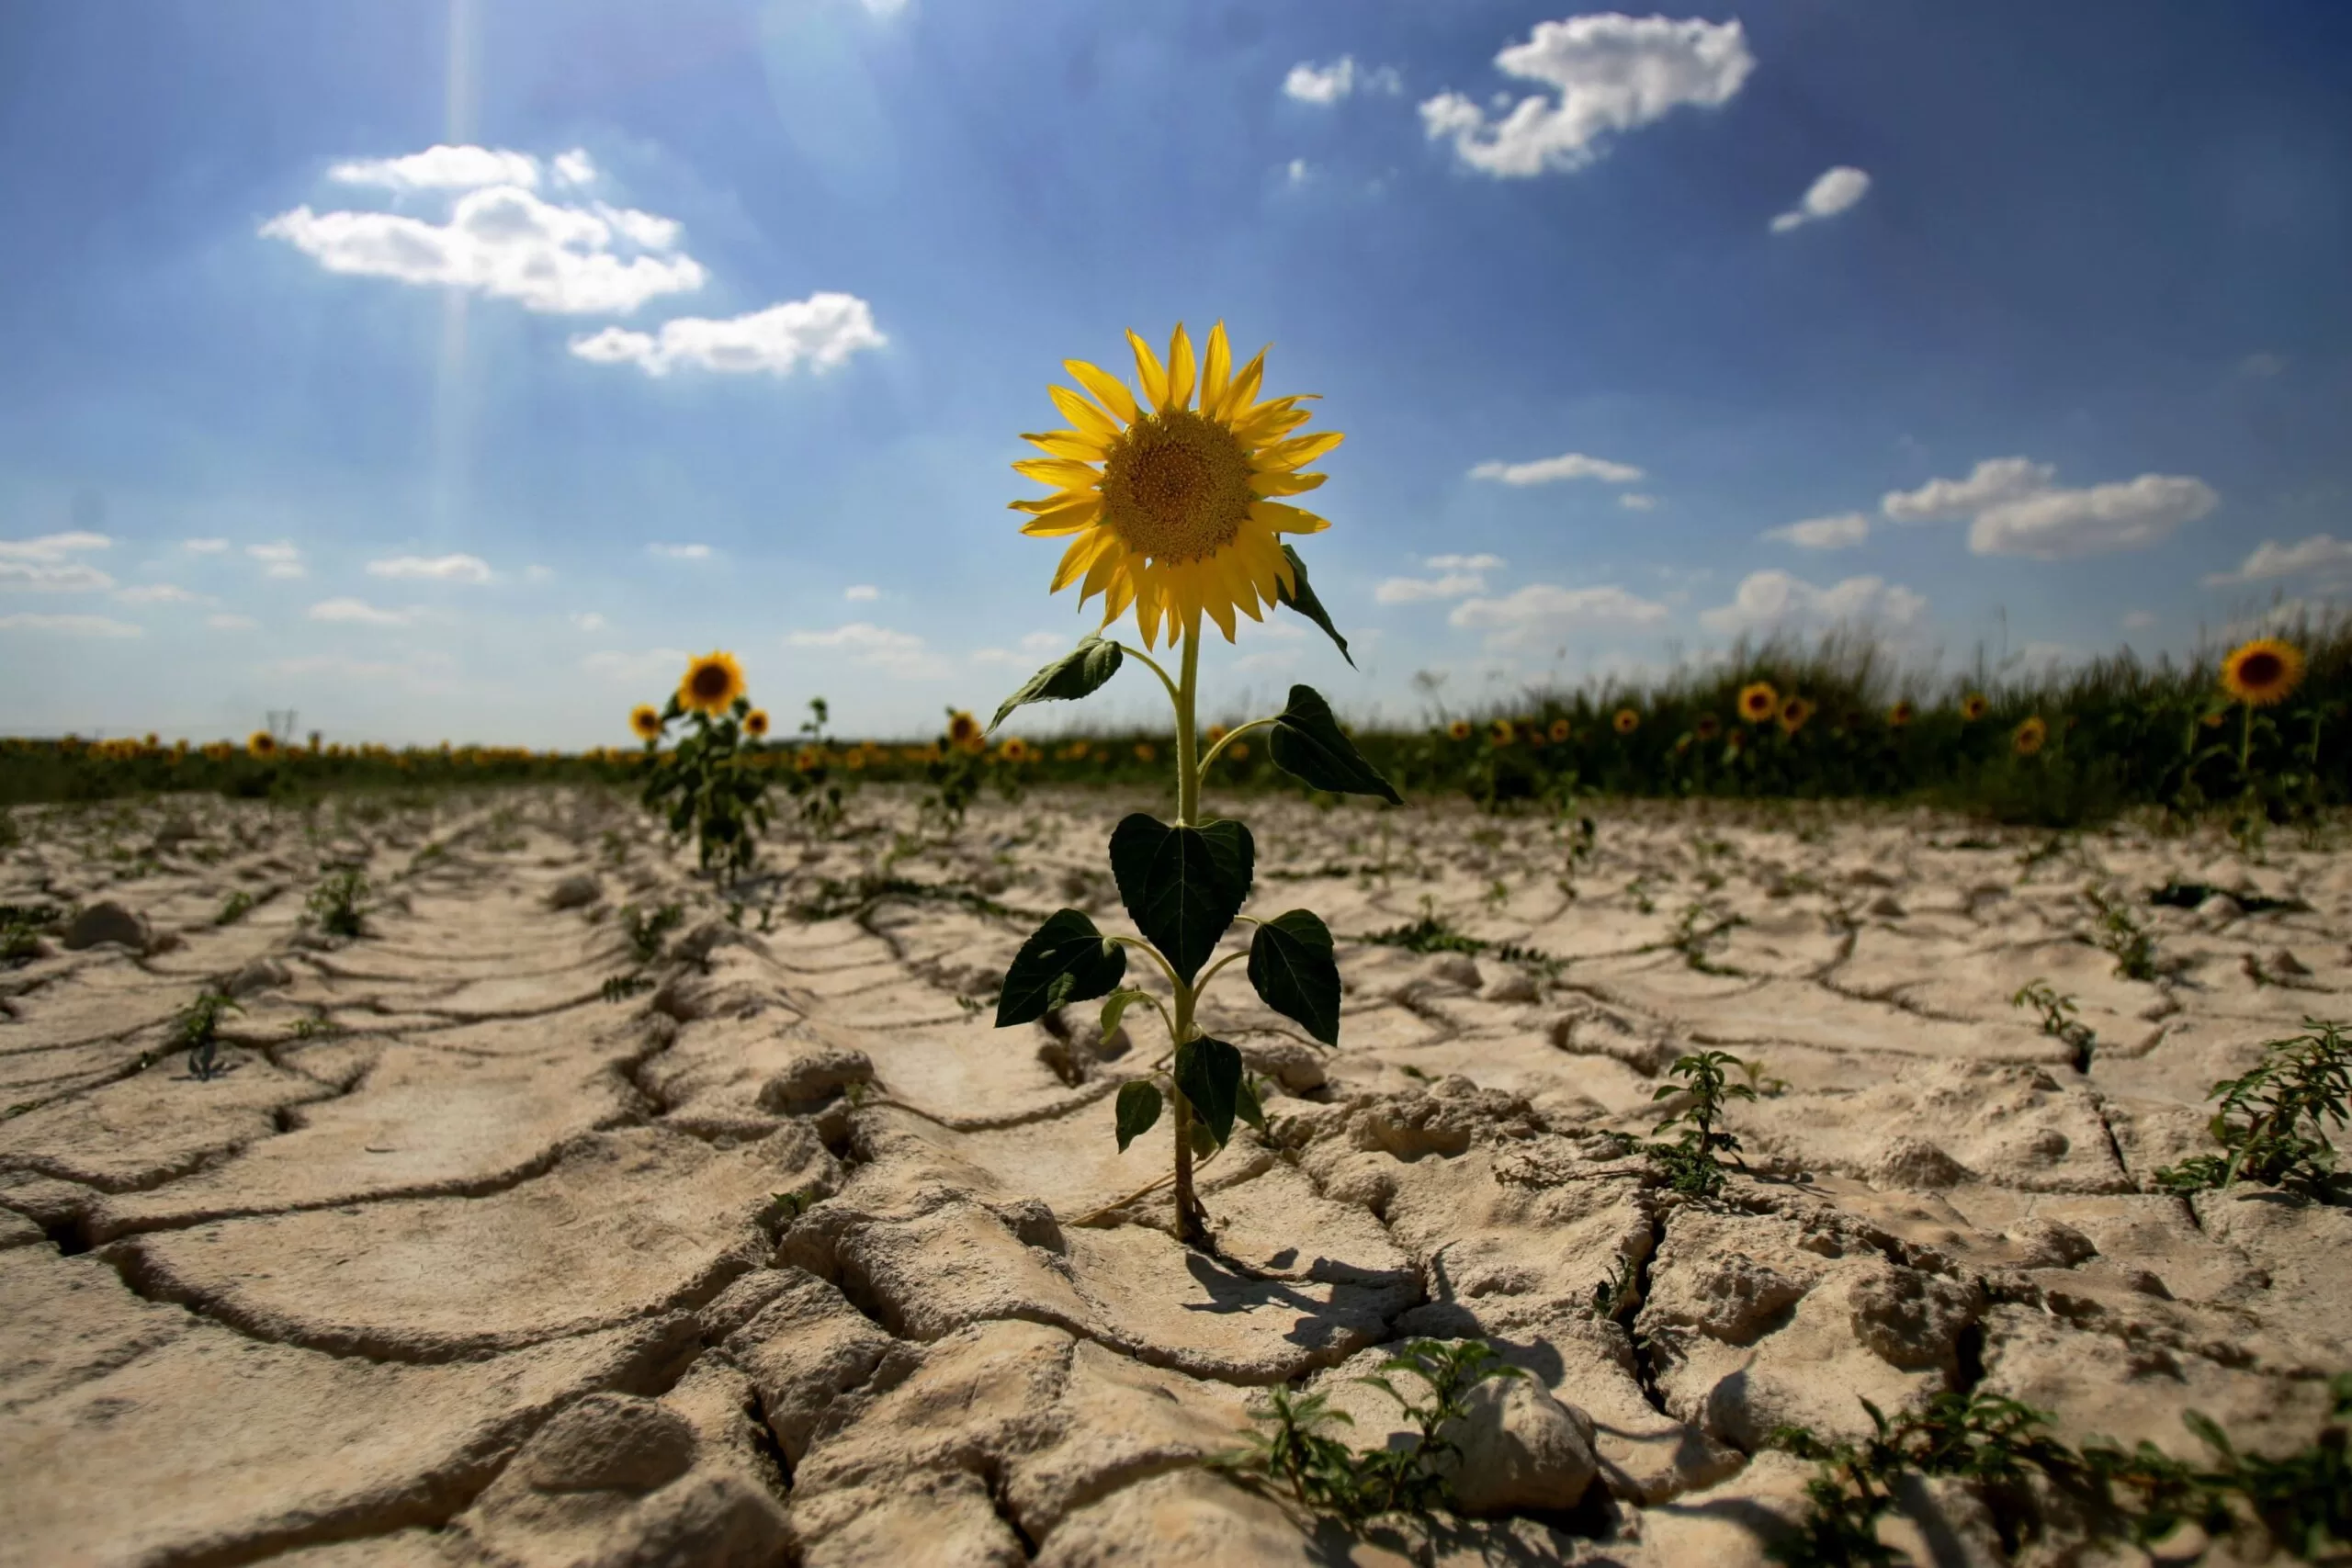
(449, 370)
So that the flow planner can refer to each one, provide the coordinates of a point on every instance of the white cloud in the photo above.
(501, 240)
(857, 591)
(1544, 612)
(1297, 171)
(433, 568)
(1324, 85)
(823, 331)
(1413, 589)
(588, 621)
(1603, 73)
(205, 547)
(69, 625)
(443, 168)
(2138, 620)
(1992, 481)
(572, 168)
(653, 666)
(535, 572)
(156, 593)
(1462, 563)
(281, 559)
(2320, 556)
(1635, 501)
(643, 229)
(2058, 525)
(1824, 533)
(358, 612)
(902, 654)
(1830, 195)
(1567, 466)
(227, 623)
(1773, 599)
(681, 552)
(46, 564)
(2262, 366)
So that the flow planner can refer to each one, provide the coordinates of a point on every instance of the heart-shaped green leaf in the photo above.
(1208, 1072)
(1074, 674)
(1248, 1106)
(1139, 1108)
(1114, 1007)
(1308, 744)
(1065, 960)
(1291, 964)
(1182, 886)
(1300, 596)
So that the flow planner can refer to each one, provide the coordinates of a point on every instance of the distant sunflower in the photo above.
(756, 722)
(2030, 737)
(1900, 715)
(261, 743)
(1627, 721)
(1458, 730)
(1146, 751)
(1502, 732)
(2263, 672)
(962, 728)
(1794, 714)
(1172, 504)
(1238, 752)
(1973, 706)
(646, 720)
(711, 683)
(1707, 727)
(1759, 702)
(1215, 733)
(1013, 749)
(1561, 731)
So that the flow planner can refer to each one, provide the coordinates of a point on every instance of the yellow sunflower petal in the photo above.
(1108, 389)
(1078, 558)
(1149, 374)
(1088, 419)
(1181, 372)
(1288, 519)
(1081, 513)
(1239, 397)
(1300, 450)
(1216, 372)
(1063, 473)
(1098, 576)
(1068, 444)
(1285, 484)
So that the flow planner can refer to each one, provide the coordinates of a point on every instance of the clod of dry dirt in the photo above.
(787, 1257)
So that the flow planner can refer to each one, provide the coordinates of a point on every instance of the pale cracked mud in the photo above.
(458, 1263)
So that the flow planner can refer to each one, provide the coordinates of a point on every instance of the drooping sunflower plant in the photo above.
(710, 784)
(1170, 494)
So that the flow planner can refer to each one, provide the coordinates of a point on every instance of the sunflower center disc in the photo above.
(710, 682)
(2260, 669)
(1176, 487)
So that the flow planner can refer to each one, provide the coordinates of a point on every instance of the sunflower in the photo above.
(1759, 702)
(1900, 714)
(1238, 752)
(1502, 732)
(1173, 502)
(2030, 737)
(2262, 671)
(962, 728)
(755, 722)
(1707, 727)
(1458, 730)
(1561, 731)
(646, 720)
(1013, 750)
(1217, 732)
(1627, 721)
(261, 743)
(711, 683)
(1793, 713)
(1146, 751)
(1973, 706)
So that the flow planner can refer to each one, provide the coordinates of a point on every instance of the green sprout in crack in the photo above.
(196, 1030)
(233, 908)
(2273, 1120)
(2122, 937)
(1698, 931)
(646, 931)
(1689, 1163)
(334, 906)
(2058, 1019)
(1290, 1448)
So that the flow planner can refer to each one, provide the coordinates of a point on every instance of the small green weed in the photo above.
(620, 988)
(1702, 925)
(2122, 937)
(196, 1030)
(234, 907)
(21, 925)
(648, 929)
(1290, 1447)
(1690, 1163)
(335, 906)
(1618, 1297)
(1433, 933)
(2273, 1121)
(2058, 1019)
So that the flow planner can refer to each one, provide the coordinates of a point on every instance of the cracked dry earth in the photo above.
(458, 1263)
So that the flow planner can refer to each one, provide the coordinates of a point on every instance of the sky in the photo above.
(454, 370)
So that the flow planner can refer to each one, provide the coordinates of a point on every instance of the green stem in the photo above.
(2245, 747)
(1188, 768)
(1191, 1223)
(1229, 739)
